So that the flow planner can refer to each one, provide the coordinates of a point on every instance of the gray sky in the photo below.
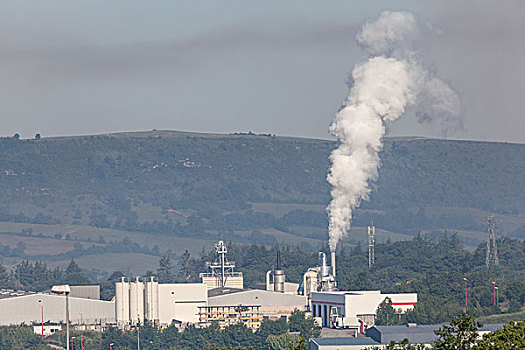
(83, 67)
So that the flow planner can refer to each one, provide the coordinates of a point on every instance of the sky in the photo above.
(90, 67)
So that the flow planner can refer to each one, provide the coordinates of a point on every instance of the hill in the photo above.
(160, 190)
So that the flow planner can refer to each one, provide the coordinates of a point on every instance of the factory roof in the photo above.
(86, 292)
(351, 292)
(11, 293)
(223, 291)
(491, 327)
(344, 341)
(232, 296)
(416, 334)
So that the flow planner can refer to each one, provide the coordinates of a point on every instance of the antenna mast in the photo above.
(371, 244)
(492, 248)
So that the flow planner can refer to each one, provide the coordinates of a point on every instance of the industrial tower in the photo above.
(492, 248)
(371, 244)
(221, 272)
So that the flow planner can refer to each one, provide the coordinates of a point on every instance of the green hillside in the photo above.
(80, 196)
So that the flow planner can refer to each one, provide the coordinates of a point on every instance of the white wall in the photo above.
(353, 303)
(181, 301)
(26, 309)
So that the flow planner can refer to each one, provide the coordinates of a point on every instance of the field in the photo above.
(503, 318)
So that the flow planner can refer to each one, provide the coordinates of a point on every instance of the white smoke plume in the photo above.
(382, 88)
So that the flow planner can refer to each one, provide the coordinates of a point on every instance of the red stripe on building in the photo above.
(401, 304)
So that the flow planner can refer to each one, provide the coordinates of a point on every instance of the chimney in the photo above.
(332, 260)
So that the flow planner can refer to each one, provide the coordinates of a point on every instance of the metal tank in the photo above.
(122, 301)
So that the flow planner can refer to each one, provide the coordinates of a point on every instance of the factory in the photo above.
(29, 307)
(219, 297)
(355, 309)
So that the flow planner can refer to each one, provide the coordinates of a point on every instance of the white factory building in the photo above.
(162, 304)
(18, 307)
(355, 309)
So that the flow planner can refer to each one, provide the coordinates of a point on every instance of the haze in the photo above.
(71, 68)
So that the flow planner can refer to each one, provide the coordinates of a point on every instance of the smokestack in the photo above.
(332, 260)
(279, 278)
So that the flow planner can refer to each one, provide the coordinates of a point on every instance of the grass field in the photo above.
(129, 264)
(503, 318)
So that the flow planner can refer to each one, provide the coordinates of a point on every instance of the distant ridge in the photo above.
(198, 186)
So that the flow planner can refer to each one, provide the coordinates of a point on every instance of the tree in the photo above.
(306, 326)
(515, 293)
(402, 345)
(510, 337)
(461, 334)
(164, 270)
(75, 275)
(19, 338)
(301, 345)
(386, 314)
(185, 267)
(4, 276)
(282, 341)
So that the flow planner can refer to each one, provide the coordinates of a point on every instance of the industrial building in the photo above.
(250, 315)
(358, 343)
(416, 334)
(276, 280)
(47, 329)
(355, 309)
(221, 272)
(271, 305)
(160, 303)
(27, 307)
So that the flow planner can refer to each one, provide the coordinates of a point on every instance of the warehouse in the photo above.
(355, 309)
(27, 307)
(416, 334)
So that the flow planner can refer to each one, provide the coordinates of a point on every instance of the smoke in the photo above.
(381, 91)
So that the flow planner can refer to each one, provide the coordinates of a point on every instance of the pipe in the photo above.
(268, 273)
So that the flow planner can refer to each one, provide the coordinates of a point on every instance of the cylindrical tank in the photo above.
(136, 297)
(122, 301)
(151, 307)
(278, 281)
(155, 301)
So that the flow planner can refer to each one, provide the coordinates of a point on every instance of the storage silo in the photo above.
(151, 312)
(136, 301)
(122, 302)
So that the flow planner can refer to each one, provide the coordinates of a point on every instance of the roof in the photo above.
(418, 334)
(344, 341)
(491, 327)
(350, 292)
(254, 297)
(223, 291)
(11, 293)
(408, 329)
